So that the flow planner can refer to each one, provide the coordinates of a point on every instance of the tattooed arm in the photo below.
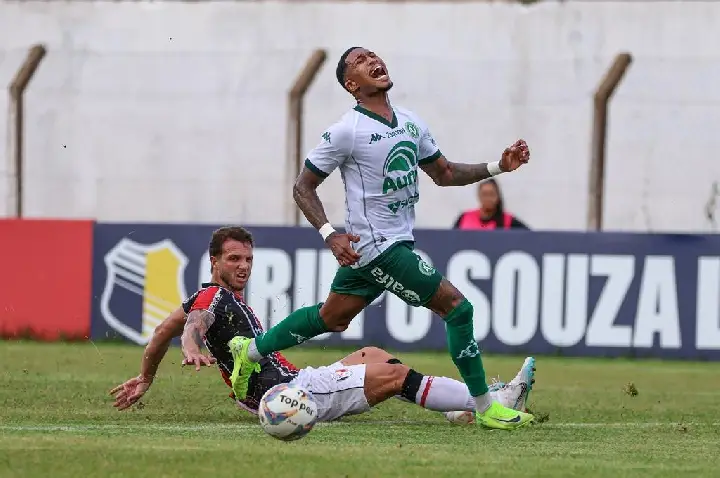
(198, 323)
(307, 199)
(446, 173)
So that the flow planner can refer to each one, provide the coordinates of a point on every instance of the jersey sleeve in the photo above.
(334, 148)
(428, 149)
(188, 303)
(205, 299)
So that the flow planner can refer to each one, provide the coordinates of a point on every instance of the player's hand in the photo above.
(197, 359)
(515, 156)
(128, 393)
(341, 247)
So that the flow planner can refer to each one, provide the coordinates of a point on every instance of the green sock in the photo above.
(463, 348)
(296, 328)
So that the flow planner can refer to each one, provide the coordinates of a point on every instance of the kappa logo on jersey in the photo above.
(375, 137)
(412, 129)
(326, 136)
(144, 284)
(342, 374)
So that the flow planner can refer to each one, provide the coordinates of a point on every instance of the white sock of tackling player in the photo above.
(253, 353)
(441, 394)
(444, 394)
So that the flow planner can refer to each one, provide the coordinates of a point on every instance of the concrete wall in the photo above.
(177, 112)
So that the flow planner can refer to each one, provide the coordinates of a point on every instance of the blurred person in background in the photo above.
(491, 215)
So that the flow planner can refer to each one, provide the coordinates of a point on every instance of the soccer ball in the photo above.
(287, 412)
(460, 417)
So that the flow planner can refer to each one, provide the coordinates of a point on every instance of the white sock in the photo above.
(448, 395)
(444, 394)
(253, 353)
(483, 402)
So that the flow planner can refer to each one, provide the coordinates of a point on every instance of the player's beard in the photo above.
(230, 280)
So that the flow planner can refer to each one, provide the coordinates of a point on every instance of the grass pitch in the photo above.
(605, 418)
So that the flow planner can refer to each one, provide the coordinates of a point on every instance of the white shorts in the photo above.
(337, 389)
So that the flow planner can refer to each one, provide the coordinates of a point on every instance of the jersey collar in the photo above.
(392, 124)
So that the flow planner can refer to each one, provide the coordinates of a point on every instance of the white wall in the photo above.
(177, 112)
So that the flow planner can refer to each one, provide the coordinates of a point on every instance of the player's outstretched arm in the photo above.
(158, 346)
(446, 173)
(198, 323)
(128, 393)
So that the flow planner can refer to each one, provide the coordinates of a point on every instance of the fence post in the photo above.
(596, 185)
(295, 125)
(16, 122)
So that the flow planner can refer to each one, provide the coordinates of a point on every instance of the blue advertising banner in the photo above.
(574, 294)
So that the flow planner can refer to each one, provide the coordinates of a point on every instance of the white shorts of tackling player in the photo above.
(338, 390)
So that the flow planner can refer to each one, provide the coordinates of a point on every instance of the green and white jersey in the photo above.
(378, 161)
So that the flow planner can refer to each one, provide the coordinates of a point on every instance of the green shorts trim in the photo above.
(398, 270)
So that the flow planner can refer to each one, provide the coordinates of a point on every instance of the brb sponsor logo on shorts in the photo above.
(144, 284)
(391, 284)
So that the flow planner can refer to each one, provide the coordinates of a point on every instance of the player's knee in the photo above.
(335, 322)
(374, 355)
(446, 298)
(384, 381)
(338, 327)
(337, 316)
(462, 314)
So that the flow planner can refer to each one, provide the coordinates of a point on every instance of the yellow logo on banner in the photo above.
(153, 275)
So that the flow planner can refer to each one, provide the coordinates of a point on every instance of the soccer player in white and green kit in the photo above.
(378, 149)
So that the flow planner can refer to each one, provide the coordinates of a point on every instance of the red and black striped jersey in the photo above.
(234, 317)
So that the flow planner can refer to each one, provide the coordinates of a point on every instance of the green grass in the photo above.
(56, 419)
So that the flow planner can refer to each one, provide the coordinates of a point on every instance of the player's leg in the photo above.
(443, 393)
(350, 294)
(406, 275)
(457, 312)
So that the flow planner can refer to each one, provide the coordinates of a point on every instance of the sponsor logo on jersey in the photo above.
(326, 136)
(396, 132)
(400, 168)
(144, 281)
(400, 171)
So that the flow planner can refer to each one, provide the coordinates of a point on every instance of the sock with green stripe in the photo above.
(296, 328)
(465, 352)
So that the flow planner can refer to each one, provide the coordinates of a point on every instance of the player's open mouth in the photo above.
(241, 277)
(378, 73)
